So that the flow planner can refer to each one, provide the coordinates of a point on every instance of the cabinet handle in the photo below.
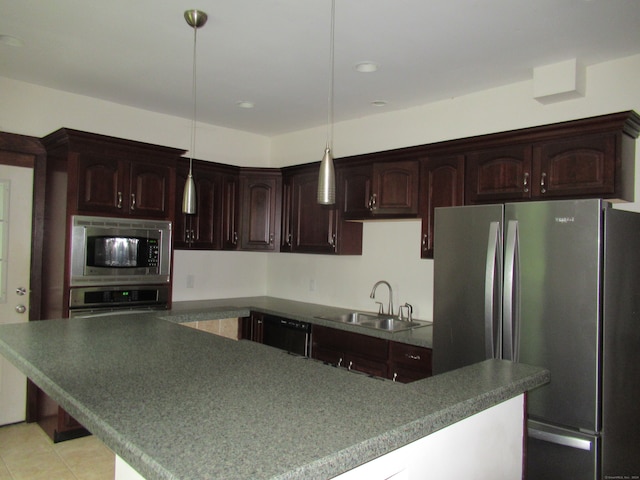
(193, 236)
(412, 357)
(119, 204)
(350, 365)
(543, 178)
(395, 376)
(332, 240)
(373, 199)
(525, 182)
(339, 362)
(234, 240)
(133, 201)
(288, 240)
(271, 239)
(425, 237)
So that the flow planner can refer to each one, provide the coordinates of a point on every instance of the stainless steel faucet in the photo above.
(373, 295)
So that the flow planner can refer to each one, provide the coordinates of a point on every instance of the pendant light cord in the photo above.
(193, 99)
(331, 79)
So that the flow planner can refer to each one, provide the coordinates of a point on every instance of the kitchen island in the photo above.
(177, 403)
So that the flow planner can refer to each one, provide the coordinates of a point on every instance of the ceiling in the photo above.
(275, 53)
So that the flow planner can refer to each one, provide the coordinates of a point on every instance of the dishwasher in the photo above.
(290, 335)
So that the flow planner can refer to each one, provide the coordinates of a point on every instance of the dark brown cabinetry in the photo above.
(230, 210)
(252, 327)
(350, 350)
(379, 189)
(308, 227)
(201, 230)
(260, 193)
(441, 185)
(111, 176)
(408, 363)
(592, 157)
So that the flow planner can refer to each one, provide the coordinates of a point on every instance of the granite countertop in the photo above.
(191, 311)
(178, 403)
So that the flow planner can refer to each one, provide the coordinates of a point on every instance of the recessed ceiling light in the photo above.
(378, 103)
(11, 41)
(367, 67)
(245, 104)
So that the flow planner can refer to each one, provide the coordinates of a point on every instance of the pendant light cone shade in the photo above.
(327, 176)
(195, 19)
(327, 180)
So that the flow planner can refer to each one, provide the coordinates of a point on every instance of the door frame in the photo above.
(26, 151)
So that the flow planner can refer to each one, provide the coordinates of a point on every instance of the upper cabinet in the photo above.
(308, 227)
(260, 194)
(203, 229)
(379, 189)
(111, 176)
(441, 185)
(230, 209)
(593, 157)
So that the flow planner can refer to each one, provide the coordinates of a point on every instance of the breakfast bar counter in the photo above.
(178, 403)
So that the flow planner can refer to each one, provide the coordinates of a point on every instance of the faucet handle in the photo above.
(380, 308)
(409, 308)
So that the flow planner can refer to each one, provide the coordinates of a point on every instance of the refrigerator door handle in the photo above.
(560, 439)
(511, 298)
(492, 292)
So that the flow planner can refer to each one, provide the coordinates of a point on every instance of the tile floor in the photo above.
(27, 453)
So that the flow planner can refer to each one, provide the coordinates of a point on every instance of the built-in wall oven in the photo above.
(113, 299)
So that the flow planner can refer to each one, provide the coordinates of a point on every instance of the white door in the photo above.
(16, 190)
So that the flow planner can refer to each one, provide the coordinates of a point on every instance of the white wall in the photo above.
(33, 110)
(390, 249)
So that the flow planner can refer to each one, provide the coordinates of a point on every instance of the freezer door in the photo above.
(556, 453)
(560, 286)
(467, 285)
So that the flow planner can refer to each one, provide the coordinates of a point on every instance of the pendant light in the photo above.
(327, 176)
(195, 19)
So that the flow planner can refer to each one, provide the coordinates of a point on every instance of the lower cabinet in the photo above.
(252, 327)
(408, 362)
(370, 355)
(350, 350)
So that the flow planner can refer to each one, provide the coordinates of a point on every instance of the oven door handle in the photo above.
(109, 313)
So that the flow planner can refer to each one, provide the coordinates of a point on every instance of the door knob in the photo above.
(21, 308)
(21, 291)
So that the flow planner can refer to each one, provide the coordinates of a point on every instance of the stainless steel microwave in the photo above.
(119, 251)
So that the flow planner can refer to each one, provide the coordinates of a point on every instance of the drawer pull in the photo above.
(412, 357)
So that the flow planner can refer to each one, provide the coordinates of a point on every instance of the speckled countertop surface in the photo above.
(191, 311)
(178, 403)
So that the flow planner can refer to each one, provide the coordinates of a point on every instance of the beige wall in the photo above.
(390, 249)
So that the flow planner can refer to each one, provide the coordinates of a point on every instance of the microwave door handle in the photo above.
(492, 313)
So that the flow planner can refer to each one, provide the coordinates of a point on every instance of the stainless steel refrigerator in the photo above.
(554, 284)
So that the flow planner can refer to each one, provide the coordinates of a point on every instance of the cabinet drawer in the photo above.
(410, 356)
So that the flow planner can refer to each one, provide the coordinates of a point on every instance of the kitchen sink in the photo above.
(376, 321)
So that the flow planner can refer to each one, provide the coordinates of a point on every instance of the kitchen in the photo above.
(339, 281)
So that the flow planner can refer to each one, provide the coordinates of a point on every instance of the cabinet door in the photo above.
(260, 212)
(395, 188)
(149, 190)
(498, 174)
(355, 187)
(252, 327)
(101, 185)
(408, 362)
(205, 223)
(313, 226)
(579, 166)
(230, 211)
(441, 185)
